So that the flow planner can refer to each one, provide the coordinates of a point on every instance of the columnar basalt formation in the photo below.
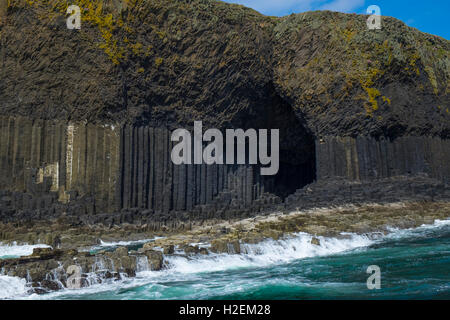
(86, 115)
(126, 167)
(40, 157)
(368, 158)
(120, 167)
(148, 179)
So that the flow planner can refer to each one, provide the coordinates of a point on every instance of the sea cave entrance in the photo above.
(297, 143)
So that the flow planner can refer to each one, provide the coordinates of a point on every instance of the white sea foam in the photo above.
(12, 287)
(105, 244)
(422, 231)
(15, 250)
(269, 252)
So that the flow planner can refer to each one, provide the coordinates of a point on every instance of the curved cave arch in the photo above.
(297, 142)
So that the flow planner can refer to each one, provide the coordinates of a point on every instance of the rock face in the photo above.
(3, 11)
(48, 270)
(167, 62)
(367, 158)
(315, 241)
(85, 119)
(107, 168)
(47, 157)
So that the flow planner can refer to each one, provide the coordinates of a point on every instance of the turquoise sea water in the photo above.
(415, 264)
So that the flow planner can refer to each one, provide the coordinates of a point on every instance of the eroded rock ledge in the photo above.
(86, 115)
(85, 122)
(47, 269)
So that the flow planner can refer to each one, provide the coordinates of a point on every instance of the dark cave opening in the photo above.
(297, 144)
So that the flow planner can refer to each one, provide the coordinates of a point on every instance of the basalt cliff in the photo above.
(86, 115)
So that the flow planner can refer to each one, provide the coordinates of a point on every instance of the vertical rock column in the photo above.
(367, 158)
(147, 178)
(92, 162)
(31, 150)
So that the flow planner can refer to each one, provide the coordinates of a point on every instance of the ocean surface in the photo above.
(414, 264)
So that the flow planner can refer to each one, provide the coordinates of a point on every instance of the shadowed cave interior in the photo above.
(297, 143)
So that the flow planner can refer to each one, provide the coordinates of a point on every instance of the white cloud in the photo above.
(342, 5)
(274, 7)
(283, 7)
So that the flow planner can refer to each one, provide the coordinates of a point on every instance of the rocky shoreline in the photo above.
(48, 269)
(363, 118)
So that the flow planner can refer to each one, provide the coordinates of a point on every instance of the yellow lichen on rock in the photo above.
(373, 95)
(432, 78)
(112, 18)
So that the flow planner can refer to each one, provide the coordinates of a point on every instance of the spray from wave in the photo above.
(181, 268)
(267, 253)
(422, 231)
(14, 250)
(115, 244)
(264, 254)
(12, 287)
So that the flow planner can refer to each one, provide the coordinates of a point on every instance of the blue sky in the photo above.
(431, 16)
